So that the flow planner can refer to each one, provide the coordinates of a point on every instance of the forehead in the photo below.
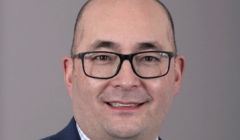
(126, 22)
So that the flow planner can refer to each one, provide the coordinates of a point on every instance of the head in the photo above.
(126, 24)
(78, 30)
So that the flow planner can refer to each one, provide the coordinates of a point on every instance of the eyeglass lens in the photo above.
(103, 65)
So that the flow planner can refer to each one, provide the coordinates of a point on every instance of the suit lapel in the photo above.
(69, 132)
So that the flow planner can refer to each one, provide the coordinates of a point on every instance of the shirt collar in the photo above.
(81, 134)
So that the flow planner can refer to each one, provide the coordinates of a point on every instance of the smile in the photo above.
(123, 105)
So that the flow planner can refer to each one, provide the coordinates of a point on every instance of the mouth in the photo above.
(123, 105)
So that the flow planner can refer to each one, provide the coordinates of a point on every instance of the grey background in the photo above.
(36, 34)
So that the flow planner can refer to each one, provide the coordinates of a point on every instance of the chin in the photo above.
(123, 130)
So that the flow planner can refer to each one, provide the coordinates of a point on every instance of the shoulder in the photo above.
(48, 138)
(68, 133)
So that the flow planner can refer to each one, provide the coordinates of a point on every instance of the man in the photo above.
(123, 72)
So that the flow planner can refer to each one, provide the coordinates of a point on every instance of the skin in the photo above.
(125, 23)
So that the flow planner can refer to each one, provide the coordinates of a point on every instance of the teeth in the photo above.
(122, 105)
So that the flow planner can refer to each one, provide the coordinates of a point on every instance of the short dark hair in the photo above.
(171, 32)
(171, 23)
(76, 24)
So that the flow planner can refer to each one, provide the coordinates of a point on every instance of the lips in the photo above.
(116, 104)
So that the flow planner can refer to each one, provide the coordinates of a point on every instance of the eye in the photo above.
(102, 57)
(149, 58)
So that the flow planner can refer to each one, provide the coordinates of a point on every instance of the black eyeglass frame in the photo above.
(122, 58)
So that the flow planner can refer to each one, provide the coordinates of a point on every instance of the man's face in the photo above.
(126, 24)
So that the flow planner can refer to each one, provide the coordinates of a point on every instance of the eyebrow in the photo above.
(103, 44)
(142, 46)
(149, 45)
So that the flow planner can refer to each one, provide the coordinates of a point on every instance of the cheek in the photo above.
(80, 97)
(84, 99)
(161, 90)
(160, 87)
(85, 92)
(84, 87)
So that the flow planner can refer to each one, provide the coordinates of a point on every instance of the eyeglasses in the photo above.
(105, 65)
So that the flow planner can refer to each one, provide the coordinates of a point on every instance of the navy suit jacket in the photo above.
(70, 132)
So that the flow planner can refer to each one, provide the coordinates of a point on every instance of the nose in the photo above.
(126, 79)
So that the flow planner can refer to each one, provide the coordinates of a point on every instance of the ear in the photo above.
(179, 68)
(68, 73)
